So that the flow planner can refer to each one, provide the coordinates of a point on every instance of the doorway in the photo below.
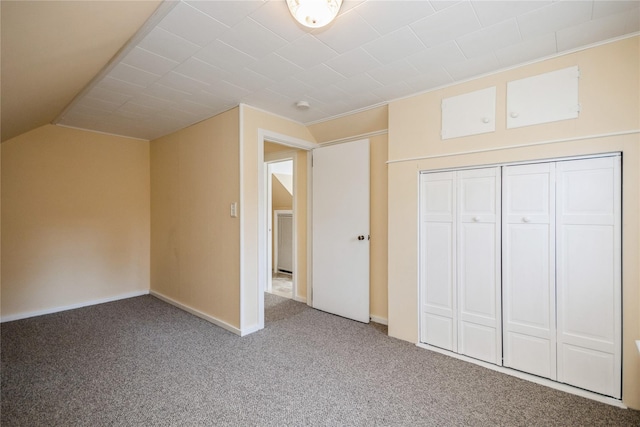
(280, 222)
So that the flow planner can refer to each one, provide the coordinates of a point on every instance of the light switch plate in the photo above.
(234, 210)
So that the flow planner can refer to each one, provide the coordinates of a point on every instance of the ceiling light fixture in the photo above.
(314, 13)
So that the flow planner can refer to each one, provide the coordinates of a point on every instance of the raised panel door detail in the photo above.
(589, 274)
(528, 269)
(437, 248)
(478, 264)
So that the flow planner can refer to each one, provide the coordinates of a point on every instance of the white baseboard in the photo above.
(524, 376)
(380, 320)
(208, 318)
(58, 309)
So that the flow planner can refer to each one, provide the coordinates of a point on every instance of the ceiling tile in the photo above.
(394, 72)
(275, 67)
(227, 12)
(492, 12)
(347, 32)
(182, 83)
(224, 56)
(447, 24)
(554, 17)
(114, 85)
(442, 4)
(253, 39)
(353, 86)
(292, 88)
(99, 104)
(152, 101)
(168, 45)
(108, 95)
(606, 8)
(275, 16)
(443, 54)
(488, 39)
(394, 46)
(307, 51)
(329, 95)
(226, 90)
(131, 108)
(387, 16)
(319, 76)
(164, 92)
(528, 50)
(149, 61)
(199, 109)
(249, 80)
(355, 62)
(592, 31)
(201, 71)
(191, 24)
(394, 91)
(473, 67)
(434, 77)
(133, 75)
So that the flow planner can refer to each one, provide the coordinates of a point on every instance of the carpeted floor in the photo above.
(143, 362)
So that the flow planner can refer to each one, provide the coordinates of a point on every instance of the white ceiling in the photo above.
(195, 59)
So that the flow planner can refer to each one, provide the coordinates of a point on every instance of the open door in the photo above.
(341, 229)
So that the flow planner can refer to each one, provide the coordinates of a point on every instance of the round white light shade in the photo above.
(314, 13)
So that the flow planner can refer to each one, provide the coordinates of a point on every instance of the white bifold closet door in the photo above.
(528, 268)
(588, 222)
(478, 264)
(460, 247)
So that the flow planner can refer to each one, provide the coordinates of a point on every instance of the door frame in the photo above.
(298, 144)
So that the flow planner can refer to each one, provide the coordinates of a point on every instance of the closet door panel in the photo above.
(438, 306)
(529, 269)
(589, 276)
(478, 264)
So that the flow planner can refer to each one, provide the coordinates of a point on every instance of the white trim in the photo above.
(28, 314)
(239, 211)
(289, 141)
(510, 147)
(365, 135)
(299, 299)
(528, 377)
(198, 313)
(380, 320)
(309, 300)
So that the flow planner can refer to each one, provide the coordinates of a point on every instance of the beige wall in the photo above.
(608, 92)
(195, 243)
(75, 219)
(252, 120)
(373, 125)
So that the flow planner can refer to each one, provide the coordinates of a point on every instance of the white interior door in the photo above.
(528, 268)
(437, 255)
(478, 264)
(340, 249)
(588, 225)
(284, 245)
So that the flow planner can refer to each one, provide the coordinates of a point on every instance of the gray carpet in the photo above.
(143, 362)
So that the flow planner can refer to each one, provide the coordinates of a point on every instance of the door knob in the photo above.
(526, 219)
(476, 219)
(361, 237)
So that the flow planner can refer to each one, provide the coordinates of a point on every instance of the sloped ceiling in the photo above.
(195, 59)
(52, 49)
